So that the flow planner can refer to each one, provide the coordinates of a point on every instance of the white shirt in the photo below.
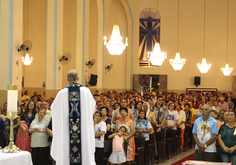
(172, 117)
(213, 108)
(145, 135)
(48, 115)
(99, 141)
(39, 139)
(154, 100)
(182, 117)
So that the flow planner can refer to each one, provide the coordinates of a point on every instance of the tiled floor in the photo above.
(177, 158)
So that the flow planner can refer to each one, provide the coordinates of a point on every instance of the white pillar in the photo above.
(54, 44)
(11, 29)
(100, 42)
(82, 39)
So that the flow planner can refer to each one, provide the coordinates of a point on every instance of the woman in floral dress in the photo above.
(125, 120)
(23, 139)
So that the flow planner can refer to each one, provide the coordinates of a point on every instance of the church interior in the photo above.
(79, 27)
(70, 34)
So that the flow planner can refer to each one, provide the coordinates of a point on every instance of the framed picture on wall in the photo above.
(190, 91)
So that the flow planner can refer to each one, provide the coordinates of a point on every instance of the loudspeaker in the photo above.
(197, 80)
(93, 80)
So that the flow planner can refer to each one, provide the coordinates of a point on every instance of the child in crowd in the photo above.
(118, 155)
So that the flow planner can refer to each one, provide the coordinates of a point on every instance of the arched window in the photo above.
(149, 33)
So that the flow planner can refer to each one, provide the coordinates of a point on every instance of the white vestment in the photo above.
(60, 127)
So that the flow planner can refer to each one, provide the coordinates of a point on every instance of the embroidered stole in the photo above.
(75, 124)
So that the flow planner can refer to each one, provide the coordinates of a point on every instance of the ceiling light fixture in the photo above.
(204, 67)
(177, 63)
(115, 46)
(226, 70)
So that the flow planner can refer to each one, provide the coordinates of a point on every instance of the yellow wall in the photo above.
(190, 41)
(93, 36)
(35, 73)
(68, 37)
(115, 78)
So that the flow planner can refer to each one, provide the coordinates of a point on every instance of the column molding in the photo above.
(54, 44)
(79, 44)
(100, 44)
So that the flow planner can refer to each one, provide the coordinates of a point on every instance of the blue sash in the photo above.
(75, 123)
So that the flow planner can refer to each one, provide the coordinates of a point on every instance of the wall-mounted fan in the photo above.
(25, 47)
(65, 59)
(90, 63)
(108, 67)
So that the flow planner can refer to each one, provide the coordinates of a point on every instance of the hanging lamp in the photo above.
(227, 70)
(27, 60)
(157, 57)
(177, 63)
(204, 67)
(115, 46)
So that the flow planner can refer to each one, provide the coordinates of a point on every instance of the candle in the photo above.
(12, 97)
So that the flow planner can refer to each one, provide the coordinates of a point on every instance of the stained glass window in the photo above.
(149, 33)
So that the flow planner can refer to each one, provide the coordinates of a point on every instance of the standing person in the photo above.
(230, 103)
(107, 120)
(153, 97)
(161, 114)
(4, 109)
(137, 108)
(118, 155)
(172, 121)
(203, 101)
(45, 105)
(213, 114)
(99, 130)
(132, 103)
(30, 111)
(72, 124)
(108, 105)
(181, 124)
(149, 114)
(117, 114)
(142, 128)
(195, 103)
(226, 114)
(188, 119)
(217, 107)
(26, 96)
(193, 119)
(205, 131)
(23, 139)
(1, 133)
(149, 100)
(125, 120)
(221, 115)
(199, 111)
(227, 140)
(223, 105)
(39, 139)
(152, 118)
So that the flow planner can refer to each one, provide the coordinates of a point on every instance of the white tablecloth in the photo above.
(21, 158)
(193, 162)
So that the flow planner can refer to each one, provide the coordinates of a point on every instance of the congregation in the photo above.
(204, 119)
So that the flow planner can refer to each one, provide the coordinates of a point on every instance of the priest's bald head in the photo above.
(72, 76)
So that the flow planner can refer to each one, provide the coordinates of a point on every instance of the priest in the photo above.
(72, 124)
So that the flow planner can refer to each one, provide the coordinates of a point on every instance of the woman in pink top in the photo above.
(118, 155)
(23, 139)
